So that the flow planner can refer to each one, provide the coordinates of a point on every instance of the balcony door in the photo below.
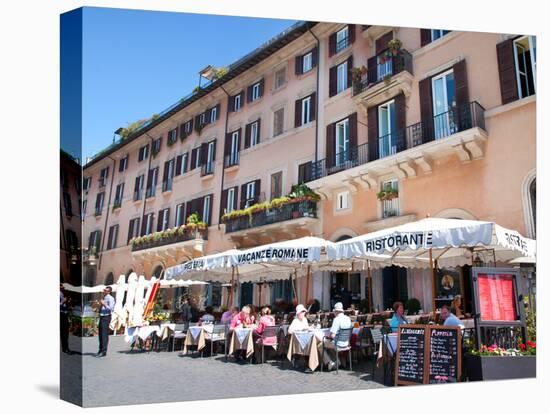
(386, 129)
(342, 142)
(384, 66)
(234, 158)
(444, 102)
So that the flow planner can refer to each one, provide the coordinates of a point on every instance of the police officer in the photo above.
(106, 306)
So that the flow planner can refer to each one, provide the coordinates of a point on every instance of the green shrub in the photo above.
(413, 306)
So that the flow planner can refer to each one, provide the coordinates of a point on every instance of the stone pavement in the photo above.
(137, 378)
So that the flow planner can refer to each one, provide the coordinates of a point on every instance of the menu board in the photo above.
(411, 340)
(444, 363)
(496, 297)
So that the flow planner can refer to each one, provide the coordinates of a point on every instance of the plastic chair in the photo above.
(218, 334)
(343, 335)
(179, 333)
(268, 332)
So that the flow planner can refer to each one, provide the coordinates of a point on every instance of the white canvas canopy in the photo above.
(452, 242)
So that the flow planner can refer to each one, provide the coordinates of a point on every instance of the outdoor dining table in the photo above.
(241, 338)
(307, 343)
(195, 337)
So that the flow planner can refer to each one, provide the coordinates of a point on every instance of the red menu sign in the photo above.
(496, 297)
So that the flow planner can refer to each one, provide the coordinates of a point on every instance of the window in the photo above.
(143, 153)
(342, 77)
(254, 133)
(113, 235)
(103, 177)
(250, 193)
(123, 164)
(67, 204)
(237, 103)
(208, 167)
(172, 136)
(202, 118)
(99, 203)
(168, 175)
(164, 219)
(444, 100)
(152, 179)
(256, 91)
(196, 159)
(437, 33)
(342, 141)
(306, 110)
(307, 62)
(180, 214)
(188, 126)
(213, 115)
(71, 240)
(390, 202)
(94, 243)
(278, 121)
(87, 183)
(147, 224)
(525, 49)
(119, 193)
(138, 187)
(342, 39)
(304, 172)
(276, 185)
(181, 164)
(156, 146)
(387, 138)
(230, 200)
(133, 229)
(279, 78)
(83, 209)
(214, 294)
(206, 209)
(342, 201)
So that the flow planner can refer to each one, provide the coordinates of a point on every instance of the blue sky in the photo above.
(137, 63)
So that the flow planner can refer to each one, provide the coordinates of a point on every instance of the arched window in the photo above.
(157, 271)
(109, 279)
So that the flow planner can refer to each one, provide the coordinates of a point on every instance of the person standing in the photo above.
(107, 305)
(64, 320)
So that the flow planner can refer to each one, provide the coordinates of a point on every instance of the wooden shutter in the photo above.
(372, 75)
(243, 195)
(330, 146)
(209, 218)
(314, 57)
(165, 172)
(351, 33)
(425, 36)
(186, 162)
(261, 87)
(160, 220)
(372, 120)
(150, 179)
(214, 150)
(199, 202)
(193, 158)
(381, 43)
(332, 79)
(461, 84)
(203, 153)
(313, 106)
(130, 230)
(257, 184)
(179, 160)
(182, 130)
(227, 145)
(400, 121)
(331, 44)
(223, 203)
(191, 125)
(349, 75)
(259, 121)
(507, 71)
(140, 154)
(352, 135)
(231, 103)
(218, 106)
(198, 119)
(168, 217)
(242, 98)
(120, 164)
(299, 65)
(247, 135)
(426, 112)
(136, 184)
(249, 94)
(298, 113)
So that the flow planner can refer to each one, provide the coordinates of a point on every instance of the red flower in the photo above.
(522, 347)
(531, 344)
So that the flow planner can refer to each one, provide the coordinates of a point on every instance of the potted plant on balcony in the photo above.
(394, 46)
(357, 74)
(388, 193)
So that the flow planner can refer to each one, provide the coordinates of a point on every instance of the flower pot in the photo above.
(481, 368)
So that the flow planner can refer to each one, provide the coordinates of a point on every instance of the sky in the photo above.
(137, 63)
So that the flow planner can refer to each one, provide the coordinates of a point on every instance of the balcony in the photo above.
(289, 221)
(460, 130)
(207, 170)
(231, 161)
(389, 77)
(170, 246)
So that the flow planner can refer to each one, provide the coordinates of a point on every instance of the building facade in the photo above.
(386, 124)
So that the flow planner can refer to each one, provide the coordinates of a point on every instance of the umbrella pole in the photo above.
(369, 278)
(433, 282)
(230, 296)
(308, 282)
(295, 287)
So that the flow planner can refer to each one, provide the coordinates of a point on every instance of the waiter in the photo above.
(64, 319)
(106, 306)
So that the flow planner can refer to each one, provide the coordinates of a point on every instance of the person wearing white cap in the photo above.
(340, 321)
(299, 323)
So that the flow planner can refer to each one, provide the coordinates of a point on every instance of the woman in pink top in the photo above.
(241, 319)
(265, 320)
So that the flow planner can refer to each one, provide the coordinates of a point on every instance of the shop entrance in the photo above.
(247, 289)
(394, 285)
(345, 288)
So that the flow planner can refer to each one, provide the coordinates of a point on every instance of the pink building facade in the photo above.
(386, 124)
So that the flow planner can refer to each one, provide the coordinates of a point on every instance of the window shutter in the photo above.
(165, 172)
(110, 237)
(259, 121)
(209, 218)
(351, 33)
(140, 154)
(191, 125)
(144, 225)
(218, 106)
(136, 185)
(199, 202)
(214, 151)
(426, 114)
(239, 140)
(299, 65)
(227, 145)
(314, 53)
(247, 131)
(179, 159)
(381, 43)
(461, 84)
(332, 81)
(257, 190)
(130, 231)
(249, 94)
(242, 98)
(186, 162)
(231, 103)
(235, 197)
(330, 146)
(182, 130)
(298, 113)
(400, 121)
(372, 121)
(193, 158)
(197, 119)
(188, 207)
(98, 241)
(261, 87)
(203, 153)
(150, 179)
(425, 36)
(168, 217)
(243, 195)
(331, 44)
(120, 164)
(371, 69)
(223, 203)
(349, 75)
(160, 220)
(313, 106)
(352, 134)
(507, 71)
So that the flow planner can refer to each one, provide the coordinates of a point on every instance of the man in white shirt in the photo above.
(449, 318)
(340, 321)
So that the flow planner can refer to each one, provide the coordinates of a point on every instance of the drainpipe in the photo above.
(106, 216)
(223, 156)
(145, 179)
(317, 96)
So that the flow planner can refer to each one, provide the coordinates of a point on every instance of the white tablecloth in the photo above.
(303, 337)
(390, 342)
(142, 332)
(321, 333)
(241, 334)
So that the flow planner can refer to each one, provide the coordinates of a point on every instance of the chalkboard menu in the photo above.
(428, 354)
(445, 357)
(410, 363)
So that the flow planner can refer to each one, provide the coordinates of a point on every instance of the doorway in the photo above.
(394, 286)
(247, 289)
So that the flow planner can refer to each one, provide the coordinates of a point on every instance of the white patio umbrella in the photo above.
(129, 304)
(139, 303)
(118, 313)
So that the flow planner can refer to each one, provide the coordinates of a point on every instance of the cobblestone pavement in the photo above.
(137, 378)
